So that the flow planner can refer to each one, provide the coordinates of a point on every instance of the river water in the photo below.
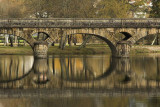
(80, 80)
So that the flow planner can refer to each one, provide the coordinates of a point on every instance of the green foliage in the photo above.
(60, 8)
(120, 8)
(155, 12)
(73, 8)
(135, 6)
(10, 9)
(113, 9)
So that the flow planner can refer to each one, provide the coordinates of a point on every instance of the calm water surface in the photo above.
(90, 80)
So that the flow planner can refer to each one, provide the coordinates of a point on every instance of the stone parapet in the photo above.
(80, 23)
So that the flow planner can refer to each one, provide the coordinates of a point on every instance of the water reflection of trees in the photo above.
(79, 69)
(13, 67)
(87, 71)
(147, 67)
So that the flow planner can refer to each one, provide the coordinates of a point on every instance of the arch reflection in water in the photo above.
(14, 67)
(81, 68)
(80, 71)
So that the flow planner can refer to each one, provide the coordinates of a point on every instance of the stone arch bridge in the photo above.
(106, 29)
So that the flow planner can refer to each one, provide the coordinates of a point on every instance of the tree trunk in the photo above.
(53, 66)
(70, 40)
(15, 40)
(11, 40)
(53, 43)
(64, 43)
(61, 42)
(24, 42)
(157, 78)
(75, 41)
(6, 40)
(142, 41)
(85, 41)
(157, 39)
(154, 40)
(61, 39)
(84, 36)
(18, 42)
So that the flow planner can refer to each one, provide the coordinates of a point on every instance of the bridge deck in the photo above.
(80, 23)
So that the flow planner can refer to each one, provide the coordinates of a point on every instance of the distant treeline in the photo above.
(76, 8)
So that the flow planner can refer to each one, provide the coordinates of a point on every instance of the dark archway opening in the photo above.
(85, 43)
(149, 40)
(13, 45)
(40, 36)
(123, 36)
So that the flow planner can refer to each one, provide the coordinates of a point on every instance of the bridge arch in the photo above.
(31, 45)
(141, 33)
(122, 36)
(28, 39)
(101, 34)
(127, 35)
(40, 36)
(147, 40)
(19, 33)
(15, 66)
(50, 34)
(108, 72)
(126, 32)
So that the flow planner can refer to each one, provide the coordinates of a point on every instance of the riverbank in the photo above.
(145, 49)
(26, 50)
(89, 49)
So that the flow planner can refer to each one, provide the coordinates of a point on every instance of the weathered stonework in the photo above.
(105, 29)
(123, 49)
(40, 49)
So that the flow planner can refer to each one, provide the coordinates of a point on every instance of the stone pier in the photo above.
(40, 49)
(123, 49)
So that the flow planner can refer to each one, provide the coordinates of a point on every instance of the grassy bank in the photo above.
(89, 49)
(145, 49)
(7, 50)
(26, 50)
